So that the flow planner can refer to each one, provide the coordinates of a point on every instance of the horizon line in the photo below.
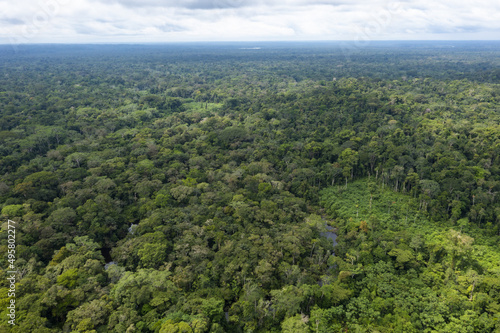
(251, 41)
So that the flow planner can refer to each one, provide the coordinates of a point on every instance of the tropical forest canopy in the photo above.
(192, 187)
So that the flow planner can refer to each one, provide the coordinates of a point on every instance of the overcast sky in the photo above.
(83, 21)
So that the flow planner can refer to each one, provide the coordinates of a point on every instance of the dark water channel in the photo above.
(330, 234)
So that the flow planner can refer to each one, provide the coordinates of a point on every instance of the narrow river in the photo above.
(330, 234)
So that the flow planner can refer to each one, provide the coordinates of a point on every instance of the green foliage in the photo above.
(13, 211)
(69, 278)
(170, 327)
(209, 177)
(152, 255)
(403, 266)
(295, 324)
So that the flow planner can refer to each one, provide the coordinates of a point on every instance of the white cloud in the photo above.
(31, 21)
